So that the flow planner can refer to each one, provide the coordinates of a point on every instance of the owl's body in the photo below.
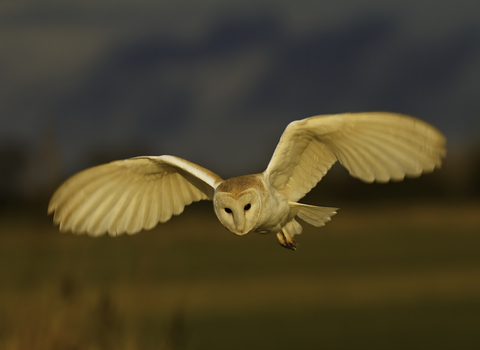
(137, 193)
(271, 213)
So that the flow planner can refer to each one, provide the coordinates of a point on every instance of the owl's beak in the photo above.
(239, 223)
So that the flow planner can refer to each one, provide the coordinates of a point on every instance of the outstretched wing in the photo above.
(129, 195)
(374, 146)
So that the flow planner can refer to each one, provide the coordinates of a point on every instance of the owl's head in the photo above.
(238, 203)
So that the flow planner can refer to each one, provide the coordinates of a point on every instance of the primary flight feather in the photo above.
(137, 193)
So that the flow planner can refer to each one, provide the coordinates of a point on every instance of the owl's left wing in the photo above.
(373, 146)
(130, 195)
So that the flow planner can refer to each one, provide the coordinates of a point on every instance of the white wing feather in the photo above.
(375, 146)
(129, 195)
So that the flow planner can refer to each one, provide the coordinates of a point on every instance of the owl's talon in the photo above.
(286, 241)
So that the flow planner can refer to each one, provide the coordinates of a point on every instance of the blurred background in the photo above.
(216, 82)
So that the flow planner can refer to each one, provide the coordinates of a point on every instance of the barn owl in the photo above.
(137, 193)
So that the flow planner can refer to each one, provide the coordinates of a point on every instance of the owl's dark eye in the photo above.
(228, 210)
(248, 206)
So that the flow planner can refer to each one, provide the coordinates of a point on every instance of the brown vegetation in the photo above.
(402, 276)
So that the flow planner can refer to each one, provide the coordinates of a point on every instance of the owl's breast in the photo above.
(274, 214)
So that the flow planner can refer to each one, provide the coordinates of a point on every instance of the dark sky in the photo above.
(217, 83)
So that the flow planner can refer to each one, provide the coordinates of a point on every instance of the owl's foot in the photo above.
(286, 241)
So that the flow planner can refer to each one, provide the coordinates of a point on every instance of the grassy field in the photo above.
(392, 277)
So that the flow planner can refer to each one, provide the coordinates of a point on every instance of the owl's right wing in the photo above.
(373, 146)
(129, 195)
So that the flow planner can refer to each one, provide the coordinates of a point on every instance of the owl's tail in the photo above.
(316, 216)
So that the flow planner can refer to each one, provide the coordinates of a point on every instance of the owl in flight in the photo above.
(135, 194)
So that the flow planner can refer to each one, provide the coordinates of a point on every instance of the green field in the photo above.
(403, 277)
